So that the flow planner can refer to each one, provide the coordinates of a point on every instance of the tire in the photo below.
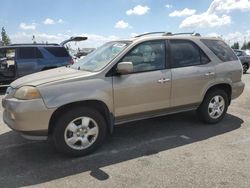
(70, 139)
(245, 68)
(206, 111)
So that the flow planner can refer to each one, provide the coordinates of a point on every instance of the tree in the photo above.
(244, 46)
(248, 45)
(235, 45)
(5, 37)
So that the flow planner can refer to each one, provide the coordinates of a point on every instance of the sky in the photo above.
(102, 21)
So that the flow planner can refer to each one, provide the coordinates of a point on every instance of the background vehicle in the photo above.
(244, 58)
(18, 60)
(122, 81)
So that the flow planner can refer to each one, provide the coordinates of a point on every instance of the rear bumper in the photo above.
(28, 117)
(237, 89)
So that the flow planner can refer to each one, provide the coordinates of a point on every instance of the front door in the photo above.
(148, 88)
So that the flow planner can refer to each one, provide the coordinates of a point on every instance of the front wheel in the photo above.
(214, 106)
(79, 131)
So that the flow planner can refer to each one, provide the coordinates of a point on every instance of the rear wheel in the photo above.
(214, 106)
(245, 67)
(79, 131)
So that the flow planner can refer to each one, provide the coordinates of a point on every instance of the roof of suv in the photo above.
(30, 45)
(164, 35)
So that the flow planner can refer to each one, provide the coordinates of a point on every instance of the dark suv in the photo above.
(244, 58)
(18, 60)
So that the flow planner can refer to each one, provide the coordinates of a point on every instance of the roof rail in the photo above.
(168, 34)
(192, 34)
(31, 44)
(150, 33)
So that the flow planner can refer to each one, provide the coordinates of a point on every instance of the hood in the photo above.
(48, 76)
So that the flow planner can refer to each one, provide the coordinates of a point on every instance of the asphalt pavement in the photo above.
(172, 151)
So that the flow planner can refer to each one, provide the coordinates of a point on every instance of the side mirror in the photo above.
(125, 67)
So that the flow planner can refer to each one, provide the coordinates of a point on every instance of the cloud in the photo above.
(60, 21)
(133, 34)
(184, 12)
(205, 20)
(121, 25)
(94, 40)
(138, 10)
(48, 21)
(229, 5)
(216, 14)
(25, 26)
(233, 37)
(168, 6)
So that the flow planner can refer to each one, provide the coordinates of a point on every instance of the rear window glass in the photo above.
(58, 51)
(220, 49)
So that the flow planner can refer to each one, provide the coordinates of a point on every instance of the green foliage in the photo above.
(248, 45)
(236, 45)
(244, 46)
(5, 37)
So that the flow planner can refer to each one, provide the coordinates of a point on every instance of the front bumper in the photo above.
(30, 117)
(237, 89)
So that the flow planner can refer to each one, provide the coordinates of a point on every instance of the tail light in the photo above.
(71, 61)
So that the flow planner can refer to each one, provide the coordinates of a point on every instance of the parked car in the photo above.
(244, 58)
(18, 60)
(123, 81)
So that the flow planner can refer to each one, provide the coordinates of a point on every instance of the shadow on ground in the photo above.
(24, 163)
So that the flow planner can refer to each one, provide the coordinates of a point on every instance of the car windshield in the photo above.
(101, 57)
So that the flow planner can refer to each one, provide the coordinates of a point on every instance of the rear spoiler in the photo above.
(73, 39)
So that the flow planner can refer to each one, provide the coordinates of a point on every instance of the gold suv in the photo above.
(150, 75)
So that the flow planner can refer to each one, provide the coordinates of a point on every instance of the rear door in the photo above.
(192, 71)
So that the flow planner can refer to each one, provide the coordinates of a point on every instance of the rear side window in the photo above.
(58, 51)
(29, 53)
(220, 49)
(186, 53)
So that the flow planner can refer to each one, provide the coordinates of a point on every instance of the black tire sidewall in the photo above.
(203, 109)
(245, 69)
(65, 118)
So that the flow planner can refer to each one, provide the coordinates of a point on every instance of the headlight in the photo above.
(9, 90)
(27, 93)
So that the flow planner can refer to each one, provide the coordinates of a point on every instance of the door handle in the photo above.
(163, 80)
(210, 73)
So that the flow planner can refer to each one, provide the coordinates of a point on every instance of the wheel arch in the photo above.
(98, 105)
(224, 86)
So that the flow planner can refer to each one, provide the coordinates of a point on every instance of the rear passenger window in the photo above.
(29, 53)
(186, 53)
(58, 51)
(220, 49)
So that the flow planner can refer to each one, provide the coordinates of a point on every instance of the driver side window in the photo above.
(147, 56)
